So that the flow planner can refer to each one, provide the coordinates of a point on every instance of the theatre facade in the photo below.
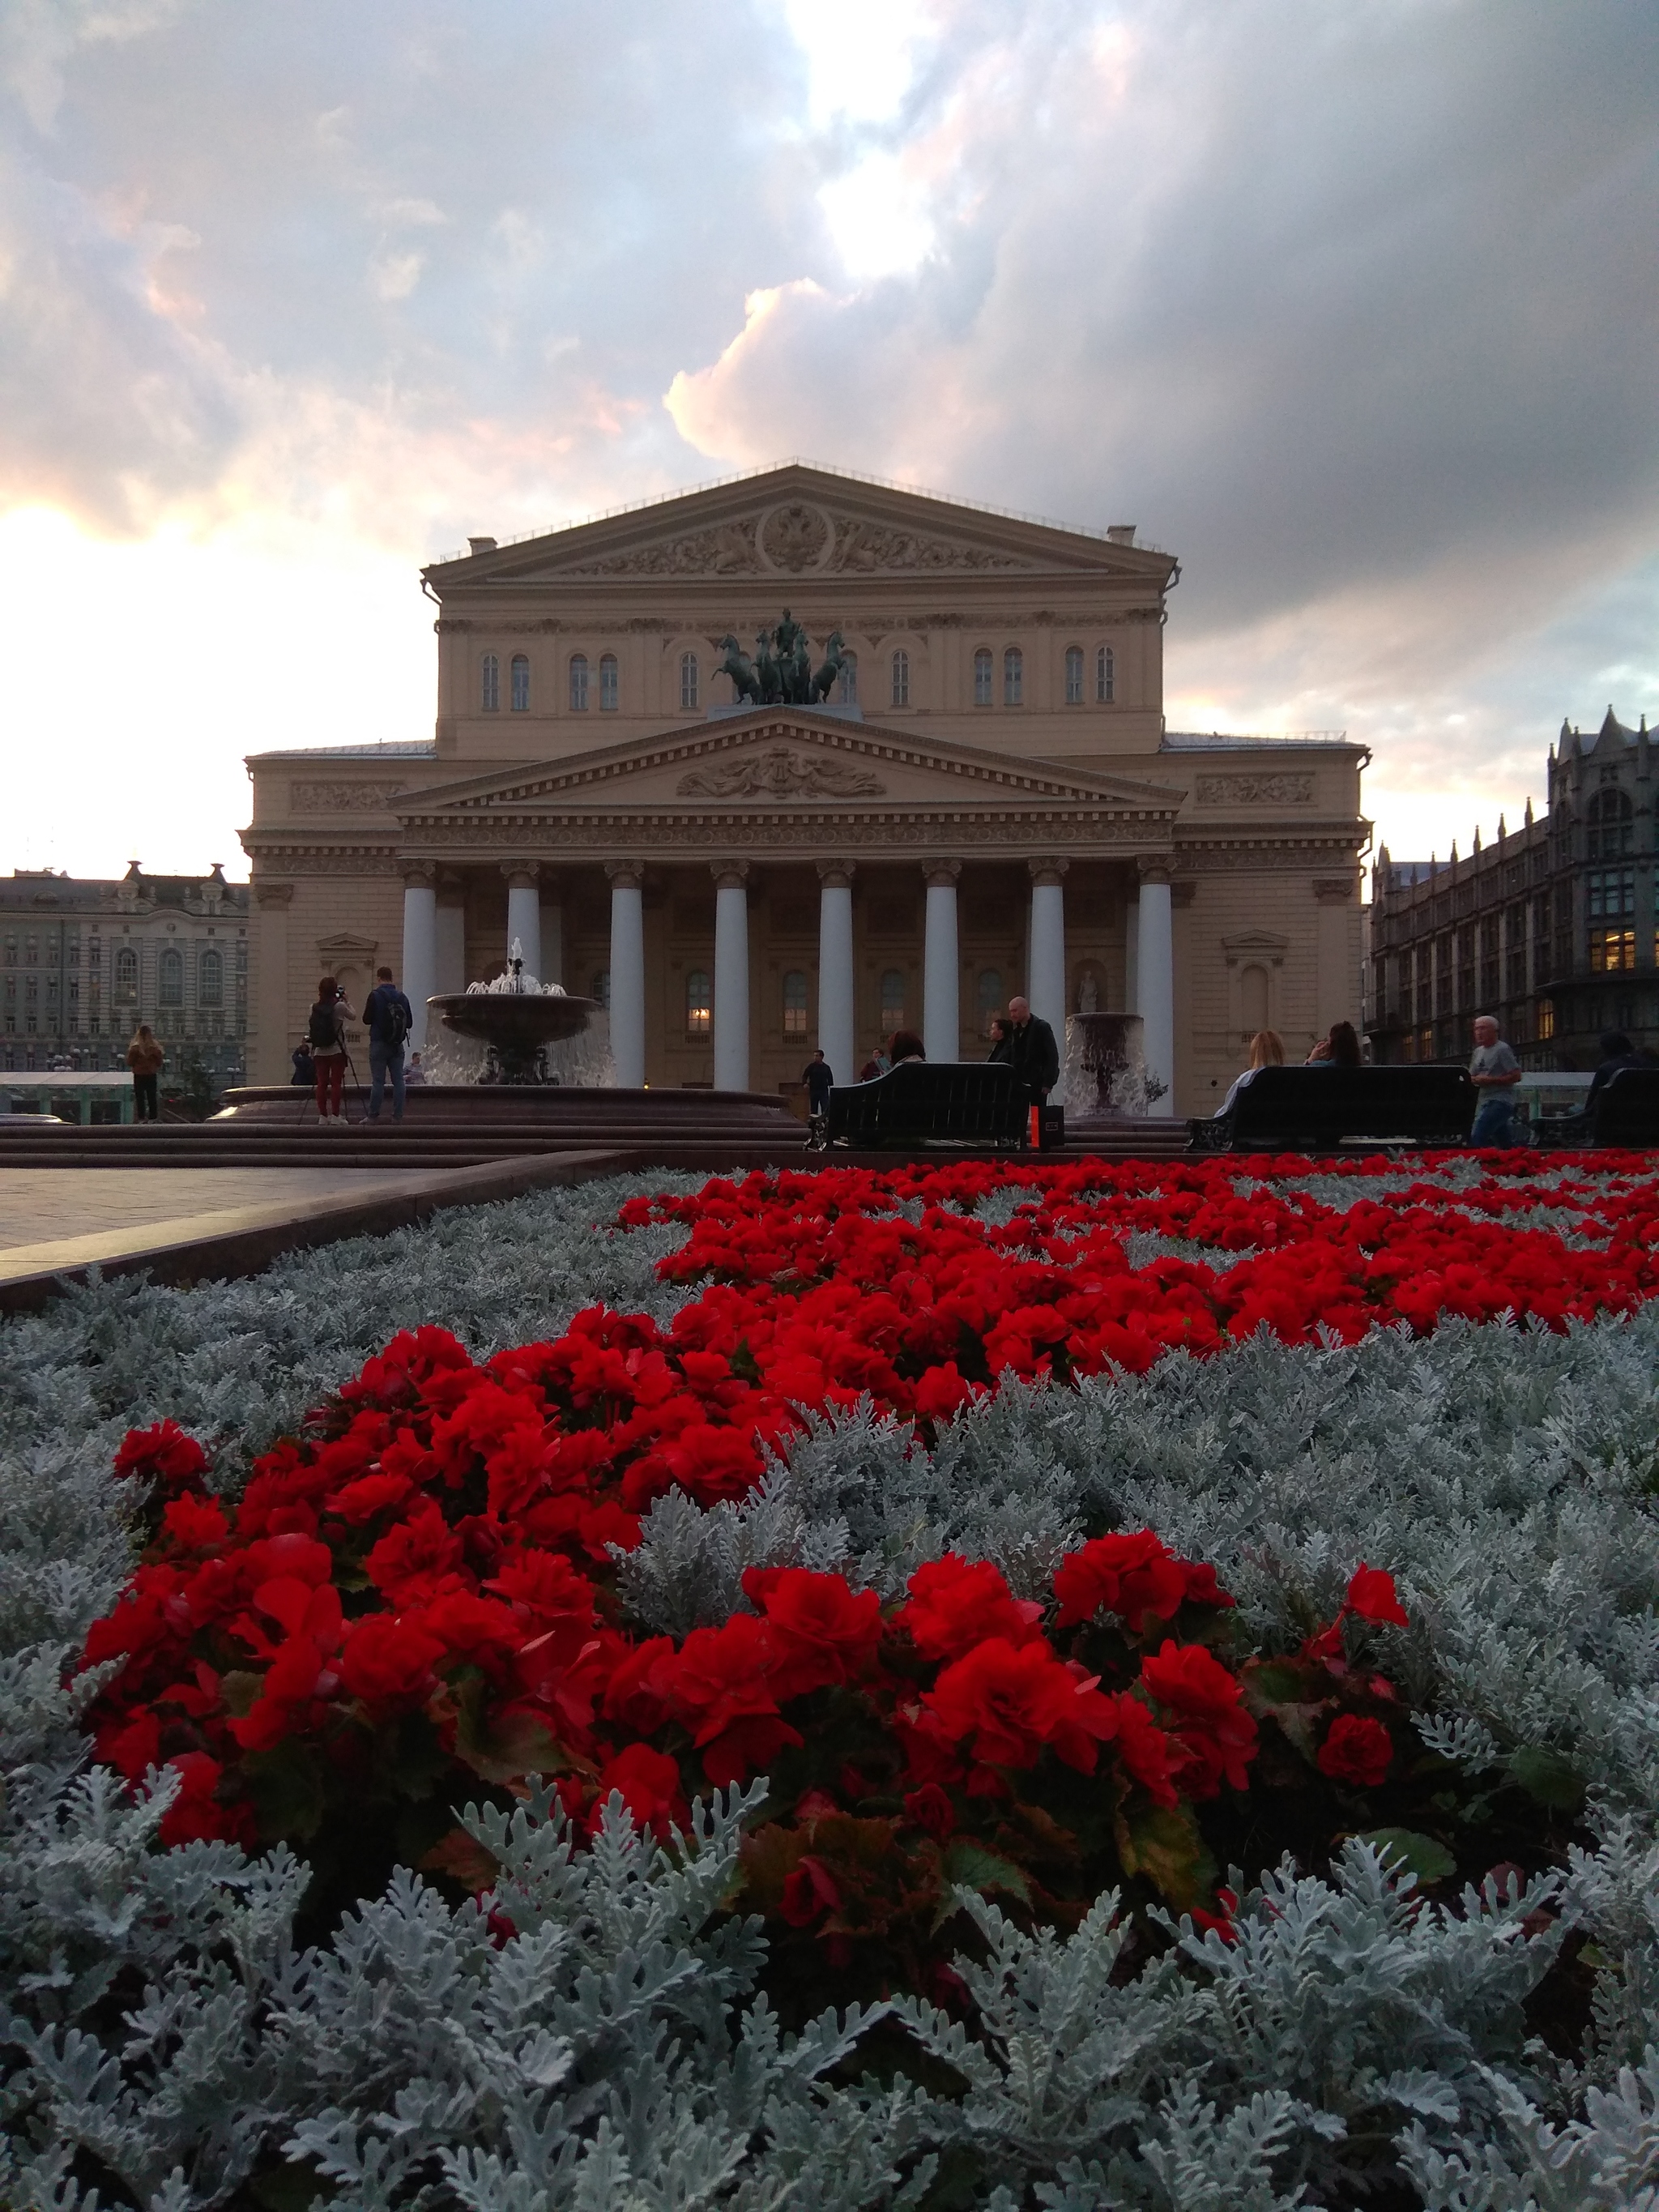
(978, 797)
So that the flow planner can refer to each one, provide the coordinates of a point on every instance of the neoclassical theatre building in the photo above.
(986, 801)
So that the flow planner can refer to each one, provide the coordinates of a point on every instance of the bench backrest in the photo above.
(1297, 1109)
(966, 1101)
(1626, 1110)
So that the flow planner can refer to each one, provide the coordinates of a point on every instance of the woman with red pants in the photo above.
(326, 1031)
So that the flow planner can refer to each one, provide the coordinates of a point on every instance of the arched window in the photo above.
(989, 997)
(795, 1004)
(982, 677)
(127, 973)
(847, 683)
(579, 683)
(699, 1004)
(170, 978)
(900, 679)
(1103, 673)
(1013, 677)
(1611, 826)
(490, 689)
(608, 683)
(601, 990)
(211, 980)
(520, 684)
(688, 681)
(892, 1001)
(1074, 675)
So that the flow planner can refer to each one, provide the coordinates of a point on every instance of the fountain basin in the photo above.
(516, 1026)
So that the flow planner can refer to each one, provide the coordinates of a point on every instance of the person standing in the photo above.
(389, 1018)
(1033, 1055)
(325, 1031)
(146, 1059)
(1495, 1071)
(1001, 1054)
(819, 1078)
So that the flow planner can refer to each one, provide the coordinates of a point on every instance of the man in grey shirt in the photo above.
(1496, 1071)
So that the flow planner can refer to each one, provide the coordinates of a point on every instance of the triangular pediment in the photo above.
(801, 524)
(783, 757)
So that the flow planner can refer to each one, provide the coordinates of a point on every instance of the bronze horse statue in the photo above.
(782, 673)
(745, 676)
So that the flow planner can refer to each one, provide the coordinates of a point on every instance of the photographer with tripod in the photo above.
(325, 1032)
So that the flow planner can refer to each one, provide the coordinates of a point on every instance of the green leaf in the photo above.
(1278, 1682)
(970, 1865)
(1547, 1776)
(286, 1791)
(1163, 1842)
(1428, 1860)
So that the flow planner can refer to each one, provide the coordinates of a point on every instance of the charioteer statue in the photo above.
(782, 673)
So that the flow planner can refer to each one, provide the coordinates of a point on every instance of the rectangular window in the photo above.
(490, 685)
(688, 682)
(1074, 675)
(608, 683)
(1609, 894)
(1612, 950)
(901, 678)
(1545, 1020)
(982, 679)
(1104, 674)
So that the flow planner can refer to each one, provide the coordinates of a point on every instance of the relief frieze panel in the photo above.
(799, 538)
(1275, 789)
(321, 797)
(781, 774)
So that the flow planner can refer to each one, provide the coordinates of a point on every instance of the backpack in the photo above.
(320, 1029)
(394, 1021)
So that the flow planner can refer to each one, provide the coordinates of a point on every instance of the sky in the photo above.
(1351, 304)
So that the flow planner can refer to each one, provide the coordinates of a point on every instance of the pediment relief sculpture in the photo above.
(798, 538)
(781, 774)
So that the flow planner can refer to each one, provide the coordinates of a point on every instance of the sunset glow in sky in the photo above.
(1350, 303)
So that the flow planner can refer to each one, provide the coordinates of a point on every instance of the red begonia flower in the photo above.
(1209, 1720)
(1372, 1596)
(163, 1453)
(810, 1890)
(1357, 1750)
(956, 1603)
(649, 1783)
(821, 1632)
(1007, 1701)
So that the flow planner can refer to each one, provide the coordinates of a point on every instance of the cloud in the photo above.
(1350, 304)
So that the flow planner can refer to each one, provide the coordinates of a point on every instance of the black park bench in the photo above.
(1624, 1112)
(1322, 1109)
(931, 1103)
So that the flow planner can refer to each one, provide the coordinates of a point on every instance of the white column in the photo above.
(552, 926)
(1045, 981)
(627, 973)
(419, 975)
(1132, 956)
(1156, 980)
(523, 914)
(451, 947)
(836, 1035)
(941, 1012)
(730, 975)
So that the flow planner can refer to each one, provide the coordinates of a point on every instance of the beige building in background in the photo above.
(986, 802)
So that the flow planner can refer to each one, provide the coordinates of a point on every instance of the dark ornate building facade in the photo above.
(1553, 927)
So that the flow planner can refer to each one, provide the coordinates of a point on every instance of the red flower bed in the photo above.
(416, 1596)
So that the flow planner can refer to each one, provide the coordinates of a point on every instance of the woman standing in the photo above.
(325, 1031)
(146, 1059)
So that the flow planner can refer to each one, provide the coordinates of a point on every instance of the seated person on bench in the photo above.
(1339, 1049)
(1267, 1050)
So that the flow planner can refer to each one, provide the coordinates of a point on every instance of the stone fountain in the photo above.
(516, 1019)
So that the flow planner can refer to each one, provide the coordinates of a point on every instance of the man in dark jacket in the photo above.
(1033, 1054)
(388, 1018)
(819, 1078)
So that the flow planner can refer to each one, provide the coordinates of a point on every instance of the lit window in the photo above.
(520, 684)
(1103, 674)
(127, 973)
(1013, 677)
(1545, 1020)
(982, 677)
(795, 1004)
(892, 1001)
(170, 979)
(579, 683)
(990, 997)
(1611, 950)
(490, 696)
(688, 681)
(699, 1004)
(211, 980)
(1074, 675)
(601, 990)
(608, 683)
(847, 684)
(900, 679)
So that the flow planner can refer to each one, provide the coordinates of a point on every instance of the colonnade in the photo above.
(1150, 964)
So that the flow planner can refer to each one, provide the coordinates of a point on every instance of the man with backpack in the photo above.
(388, 1019)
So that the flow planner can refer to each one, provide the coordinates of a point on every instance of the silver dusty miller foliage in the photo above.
(163, 2038)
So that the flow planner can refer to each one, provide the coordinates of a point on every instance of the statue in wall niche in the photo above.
(1088, 992)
